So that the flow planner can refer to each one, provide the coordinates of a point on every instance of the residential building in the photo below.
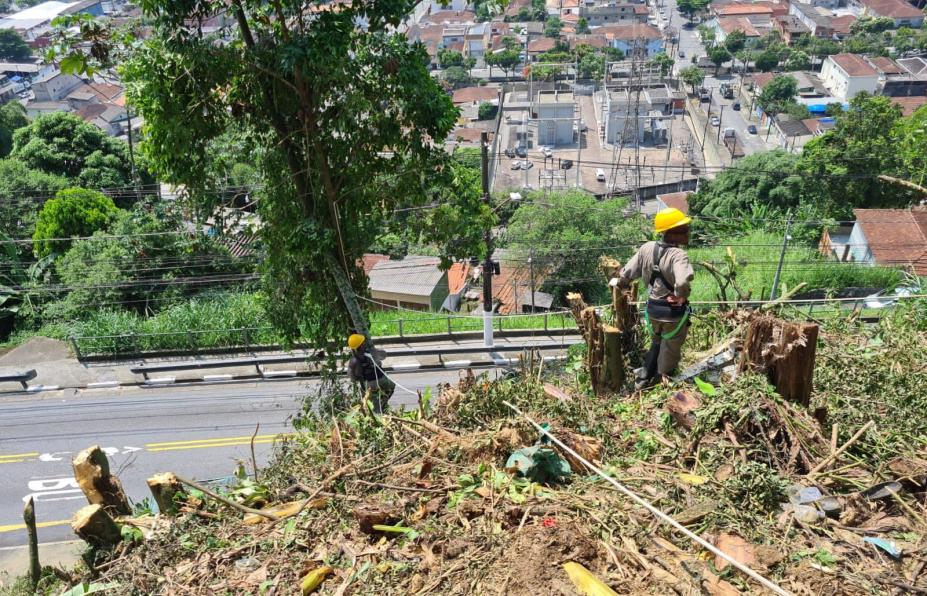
(555, 114)
(757, 12)
(54, 86)
(34, 109)
(724, 26)
(592, 40)
(611, 12)
(909, 105)
(34, 22)
(817, 20)
(845, 75)
(430, 36)
(643, 41)
(841, 24)
(453, 36)
(475, 40)
(902, 13)
(896, 81)
(415, 283)
(8, 89)
(448, 5)
(541, 45)
(790, 28)
(475, 95)
(449, 17)
(889, 237)
(827, 4)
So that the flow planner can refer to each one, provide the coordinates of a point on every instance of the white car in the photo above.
(600, 174)
(715, 121)
(547, 152)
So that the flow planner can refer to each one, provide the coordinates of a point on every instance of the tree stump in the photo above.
(95, 526)
(35, 568)
(163, 487)
(785, 353)
(91, 470)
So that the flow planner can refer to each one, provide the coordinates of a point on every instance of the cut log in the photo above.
(784, 352)
(375, 514)
(91, 470)
(35, 568)
(589, 448)
(163, 487)
(613, 369)
(95, 526)
(682, 406)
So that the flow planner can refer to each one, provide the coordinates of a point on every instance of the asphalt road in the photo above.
(197, 431)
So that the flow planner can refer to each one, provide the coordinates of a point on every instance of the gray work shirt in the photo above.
(674, 263)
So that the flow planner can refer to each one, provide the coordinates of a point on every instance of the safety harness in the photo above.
(657, 273)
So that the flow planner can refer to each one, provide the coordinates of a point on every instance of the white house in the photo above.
(899, 11)
(555, 111)
(55, 86)
(845, 75)
(889, 237)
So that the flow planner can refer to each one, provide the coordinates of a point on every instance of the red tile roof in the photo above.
(886, 65)
(909, 104)
(370, 259)
(735, 8)
(761, 79)
(451, 16)
(474, 94)
(895, 9)
(542, 44)
(468, 135)
(896, 237)
(458, 276)
(627, 32)
(731, 24)
(854, 65)
(842, 23)
(593, 41)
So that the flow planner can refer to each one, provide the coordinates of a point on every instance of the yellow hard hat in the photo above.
(668, 219)
(356, 340)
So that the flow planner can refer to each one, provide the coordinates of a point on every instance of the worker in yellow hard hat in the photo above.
(366, 369)
(665, 266)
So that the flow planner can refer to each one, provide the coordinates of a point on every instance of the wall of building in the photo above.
(555, 123)
(859, 246)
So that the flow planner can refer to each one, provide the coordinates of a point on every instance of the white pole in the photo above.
(487, 328)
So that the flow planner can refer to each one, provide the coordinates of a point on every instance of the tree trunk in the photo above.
(784, 353)
(348, 297)
(35, 568)
(91, 469)
(613, 368)
(95, 526)
(163, 487)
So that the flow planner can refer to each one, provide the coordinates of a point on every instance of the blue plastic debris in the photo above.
(887, 545)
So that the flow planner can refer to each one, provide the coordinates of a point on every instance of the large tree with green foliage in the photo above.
(13, 47)
(692, 76)
(12, 118)
(63, 144)
(846, 160)
(766, 61)
(345, 118)
(690, 8)
(506, 59)
(22, 192)
(73, 212)
(777, 93)
(566, 232)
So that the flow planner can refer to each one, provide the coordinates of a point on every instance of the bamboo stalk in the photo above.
(827, 460)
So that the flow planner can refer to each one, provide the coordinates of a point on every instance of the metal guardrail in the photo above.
(258, 362)
(216, 341)
(22, 378)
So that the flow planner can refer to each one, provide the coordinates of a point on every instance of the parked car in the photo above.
(509, 153)
(751, 129)
(736, 106)
(547, 152)
(682, 54)
(521, 151)
(566, 164)
(527, 165)
(516, 165)
(600, 174)
(715, 121)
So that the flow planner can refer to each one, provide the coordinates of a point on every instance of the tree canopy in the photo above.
(779, 92)
(692, 76)
(63, 144)
(345, 120)
(13, 47)
(12, 118)
(567, 231)
(22, 191)
(74, 212)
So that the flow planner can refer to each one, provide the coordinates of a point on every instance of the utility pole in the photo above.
(531, 270)
(720, 123)
(785, 244)
(487, 238)
(711, 94)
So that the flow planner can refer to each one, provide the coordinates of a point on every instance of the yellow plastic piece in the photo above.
(314, 579)
(585, 582)
(692, 479)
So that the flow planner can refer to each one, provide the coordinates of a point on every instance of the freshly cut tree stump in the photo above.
(785, 353)
(163, 487)
(95, 526)
(91, 469)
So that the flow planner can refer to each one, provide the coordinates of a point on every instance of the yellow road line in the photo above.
(194, 441)
(11, 461)
(48, 524)
(211, 445)
(18, 455)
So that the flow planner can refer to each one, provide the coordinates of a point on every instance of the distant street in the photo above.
(200, 432)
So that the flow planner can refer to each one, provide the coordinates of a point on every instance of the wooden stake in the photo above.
(91, 470)
(35, 569)
(163, 487)
(847, 445)
(95, 526)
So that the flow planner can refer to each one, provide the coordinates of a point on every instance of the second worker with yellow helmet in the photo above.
(665, 267)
